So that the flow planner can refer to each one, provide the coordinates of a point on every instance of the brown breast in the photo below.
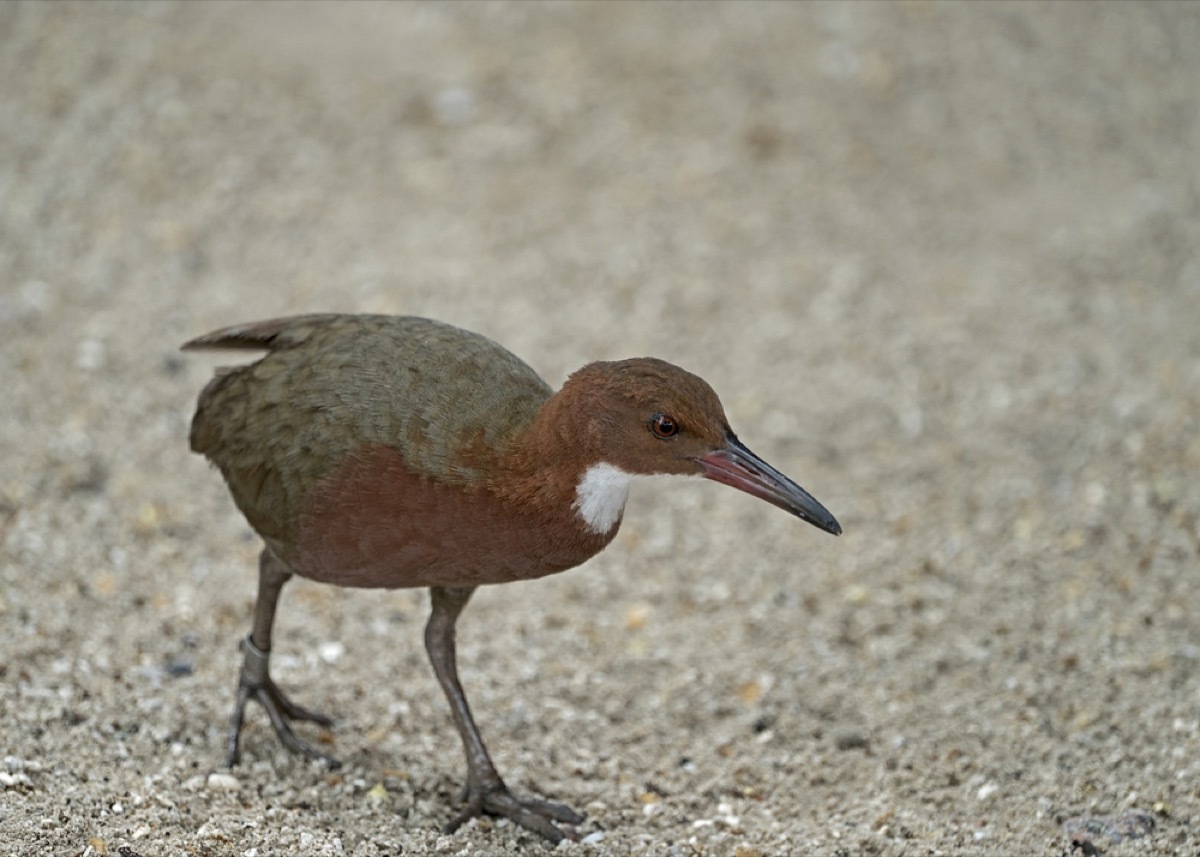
(374, 522)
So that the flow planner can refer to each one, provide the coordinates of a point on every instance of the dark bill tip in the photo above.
(738, 467)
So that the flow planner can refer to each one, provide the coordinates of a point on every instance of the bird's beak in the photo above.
(737, 466)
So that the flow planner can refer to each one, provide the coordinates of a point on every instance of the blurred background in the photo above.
(941, 262)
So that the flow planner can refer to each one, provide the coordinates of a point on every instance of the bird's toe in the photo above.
(281, 711)
(540, 816)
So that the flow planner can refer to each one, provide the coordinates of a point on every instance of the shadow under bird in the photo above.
(388, 451)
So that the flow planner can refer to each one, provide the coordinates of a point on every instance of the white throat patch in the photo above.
(600, 496)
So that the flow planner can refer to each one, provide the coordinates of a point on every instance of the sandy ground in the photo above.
(941, 261)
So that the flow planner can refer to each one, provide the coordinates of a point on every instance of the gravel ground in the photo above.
(942, 262)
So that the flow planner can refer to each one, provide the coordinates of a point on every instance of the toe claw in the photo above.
(556, 811)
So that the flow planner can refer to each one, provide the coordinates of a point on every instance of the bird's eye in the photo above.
(663, 426)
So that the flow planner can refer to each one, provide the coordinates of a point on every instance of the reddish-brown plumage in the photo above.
(371, 521)
(391, 452)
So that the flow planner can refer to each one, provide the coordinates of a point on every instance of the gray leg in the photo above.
(485, 792)
(255, 679)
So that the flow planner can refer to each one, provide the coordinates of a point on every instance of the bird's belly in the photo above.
(372, 522)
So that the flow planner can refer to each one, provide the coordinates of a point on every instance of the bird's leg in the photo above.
(255, 679)
(485, 792)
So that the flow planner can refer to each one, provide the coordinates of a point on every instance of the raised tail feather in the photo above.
(256, 336)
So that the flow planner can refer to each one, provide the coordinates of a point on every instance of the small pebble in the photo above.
(763, 723)
(89, 354)
(332, 651)
(857, 594)
(179, 667)
(455, 106)
(850, 741)
(593, 838)
(210, 830)
(636, 617)
(1083, 831)
(750, 692)
(223, 782)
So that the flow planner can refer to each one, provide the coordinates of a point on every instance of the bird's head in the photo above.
(647, 417)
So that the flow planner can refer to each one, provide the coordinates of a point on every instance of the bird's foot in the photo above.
(255, 683)
(531, 813)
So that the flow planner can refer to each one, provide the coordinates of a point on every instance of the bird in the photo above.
(389, 452)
